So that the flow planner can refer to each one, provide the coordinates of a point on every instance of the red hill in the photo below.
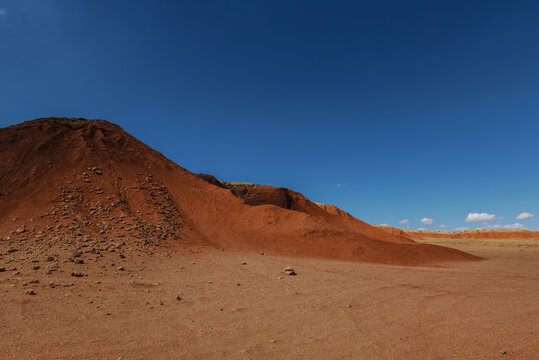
(79, 181)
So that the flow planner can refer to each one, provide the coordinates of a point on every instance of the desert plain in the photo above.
(226, 304)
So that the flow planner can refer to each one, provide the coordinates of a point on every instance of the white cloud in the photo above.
(339, 185)
(525, 215)
(421, 229)
(426, 221)
(405, 221)
(3, 12)
(473, 217)
(443, 225)
(463, 228)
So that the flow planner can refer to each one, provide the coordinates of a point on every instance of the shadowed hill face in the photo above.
(78, 180)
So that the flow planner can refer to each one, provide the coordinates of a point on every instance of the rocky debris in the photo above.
(178, 298)
(31, 292)
(79, 225)
(244, 263)
(289, 271)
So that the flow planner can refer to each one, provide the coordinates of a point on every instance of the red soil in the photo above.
(78, 180)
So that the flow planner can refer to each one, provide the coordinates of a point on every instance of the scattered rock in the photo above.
(121, 268)
(289, 271)
(30, 292)
(77, 274)
(178, 298)
(2, 269)
(20, 230)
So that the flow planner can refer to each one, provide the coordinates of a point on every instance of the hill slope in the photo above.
(87, 181)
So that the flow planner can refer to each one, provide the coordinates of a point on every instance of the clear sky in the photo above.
(391, 110)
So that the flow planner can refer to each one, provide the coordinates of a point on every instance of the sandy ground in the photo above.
(329, 310)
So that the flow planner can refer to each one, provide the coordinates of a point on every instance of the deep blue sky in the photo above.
(390, 110)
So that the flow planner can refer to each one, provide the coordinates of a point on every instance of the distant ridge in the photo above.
(464, 234)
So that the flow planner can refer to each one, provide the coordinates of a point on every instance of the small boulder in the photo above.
(20, 230)
(289, 271)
